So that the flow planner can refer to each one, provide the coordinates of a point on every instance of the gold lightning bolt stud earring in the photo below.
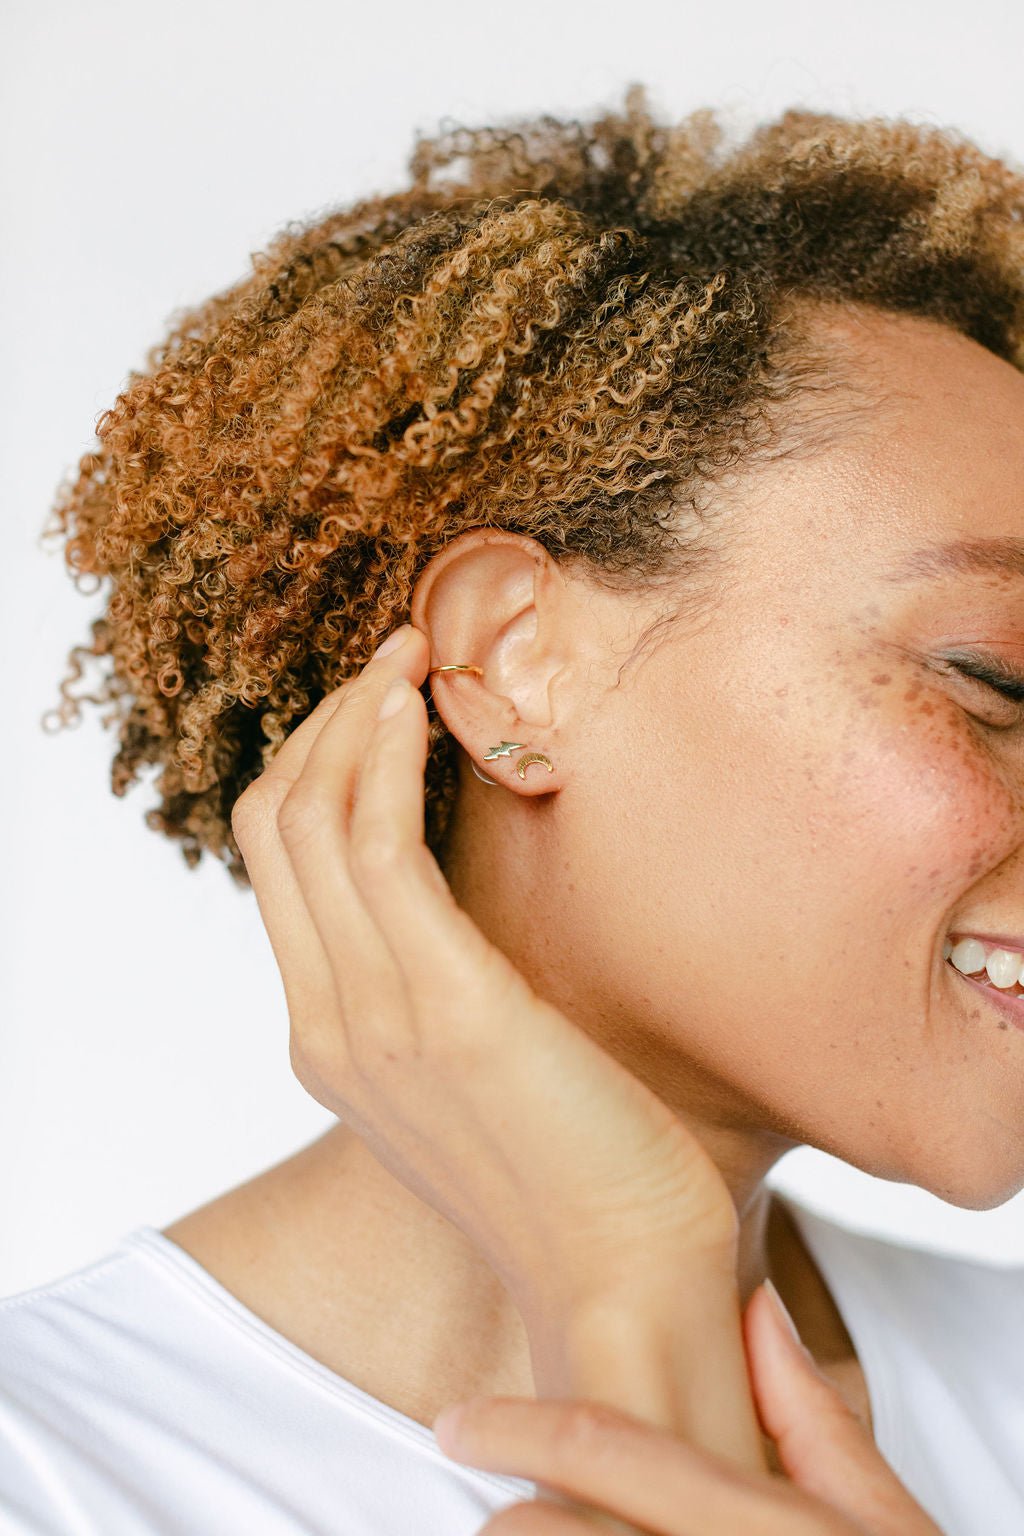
(505, 750)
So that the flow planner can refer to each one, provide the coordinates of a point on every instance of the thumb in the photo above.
(822, 1445)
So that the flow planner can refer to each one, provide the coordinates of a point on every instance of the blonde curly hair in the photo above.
(572, 341)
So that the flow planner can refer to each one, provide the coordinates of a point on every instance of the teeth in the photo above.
(968, 955)
(1004, 967)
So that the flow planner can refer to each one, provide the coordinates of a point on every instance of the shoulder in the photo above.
(19, 1307)
(54, 1371)
(61, 1323)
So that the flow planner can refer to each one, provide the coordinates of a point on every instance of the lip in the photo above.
(1011, 1007)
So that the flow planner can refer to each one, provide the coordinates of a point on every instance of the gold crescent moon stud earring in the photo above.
(533, 757)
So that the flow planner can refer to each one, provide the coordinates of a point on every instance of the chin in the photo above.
(981, 1186)
(978, 1197)
(973, 1177)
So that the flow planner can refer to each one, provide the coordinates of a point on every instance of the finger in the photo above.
(397, 875)
(645, 1476)
(823, 1447)
(387, 818)
(290, 757)
(293, 938)
(370, 880)
(541, 1517)
(312, 824)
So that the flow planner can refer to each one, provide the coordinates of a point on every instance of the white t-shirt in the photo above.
(138, 1395)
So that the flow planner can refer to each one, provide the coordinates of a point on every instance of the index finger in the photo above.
(609, 1460)
(383, 666)
(296, 943)
(368, 865)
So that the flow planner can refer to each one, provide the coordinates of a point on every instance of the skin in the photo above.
(738, 878)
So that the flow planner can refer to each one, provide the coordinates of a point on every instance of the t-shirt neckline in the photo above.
(182, 1267)
(851, 1293)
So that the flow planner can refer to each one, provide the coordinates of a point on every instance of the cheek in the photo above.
(804, 836)
(927, 794)
(777, 847)
(757, 927)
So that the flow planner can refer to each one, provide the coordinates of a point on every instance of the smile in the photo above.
(984, 961)
(1000, 967)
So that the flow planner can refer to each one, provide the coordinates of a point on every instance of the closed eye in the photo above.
(1009, 684)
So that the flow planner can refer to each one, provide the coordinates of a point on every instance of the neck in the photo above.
(338, 1256)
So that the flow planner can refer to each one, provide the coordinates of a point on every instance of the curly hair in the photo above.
(574, 342)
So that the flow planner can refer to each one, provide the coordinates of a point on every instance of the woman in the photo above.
(680, 822)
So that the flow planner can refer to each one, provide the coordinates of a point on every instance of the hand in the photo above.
(573, 1179)
(616, 1469)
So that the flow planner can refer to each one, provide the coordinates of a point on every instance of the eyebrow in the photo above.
(971, 556)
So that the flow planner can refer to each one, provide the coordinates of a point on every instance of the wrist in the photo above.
(673, 1359)
(606, 1351)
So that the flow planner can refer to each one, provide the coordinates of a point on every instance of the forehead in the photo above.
(927, 480)
(939, 394)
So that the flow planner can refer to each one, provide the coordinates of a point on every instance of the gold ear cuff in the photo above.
(505, 748)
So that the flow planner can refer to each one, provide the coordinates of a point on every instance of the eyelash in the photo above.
(1007, 684)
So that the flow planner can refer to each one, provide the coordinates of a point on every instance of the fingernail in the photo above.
(394, 698)
(782, 1313)
(446, 1426)
(393, 641)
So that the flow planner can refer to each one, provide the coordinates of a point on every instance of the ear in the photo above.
(497, 600)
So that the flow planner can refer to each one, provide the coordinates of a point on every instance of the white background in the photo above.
(146, 151)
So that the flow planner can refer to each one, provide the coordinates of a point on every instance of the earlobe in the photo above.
(504, 750)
